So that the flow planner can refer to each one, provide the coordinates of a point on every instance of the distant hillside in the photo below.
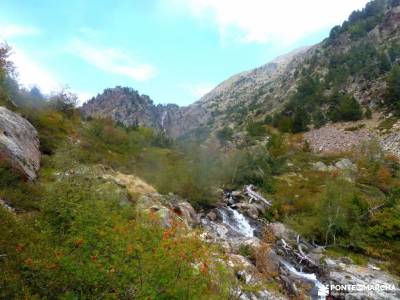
(126, 106)
(308, 87)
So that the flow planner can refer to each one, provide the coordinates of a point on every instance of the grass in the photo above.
(358, 259)
(387, 124)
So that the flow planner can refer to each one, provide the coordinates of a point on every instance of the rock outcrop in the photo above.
(19, 144)
(126, 106)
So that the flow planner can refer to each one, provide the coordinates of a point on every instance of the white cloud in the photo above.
(262, 21)
(112, 60)
(198, 90)
(30, 73)
(11, 30)
(84, 96)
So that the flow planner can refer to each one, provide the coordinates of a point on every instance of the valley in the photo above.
(279, 182)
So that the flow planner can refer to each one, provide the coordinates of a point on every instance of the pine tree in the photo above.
(392, 96)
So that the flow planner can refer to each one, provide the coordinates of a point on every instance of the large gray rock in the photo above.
(19, 143)
(342, 273)
(345, 164)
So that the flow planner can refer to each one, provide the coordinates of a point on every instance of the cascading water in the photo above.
(310, 277)
(235, 228)
(236, 222)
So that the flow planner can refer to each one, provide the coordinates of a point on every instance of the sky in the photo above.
(175, 51)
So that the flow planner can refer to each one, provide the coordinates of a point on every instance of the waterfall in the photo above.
(310, 277)
(236, 222)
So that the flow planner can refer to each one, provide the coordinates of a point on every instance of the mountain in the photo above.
(91, 209)
(354, 61)
(126, 106)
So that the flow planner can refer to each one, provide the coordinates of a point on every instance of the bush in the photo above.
(255, 129)
(225, 135)
(344, 108)
(87, 245)
(256, 167)
(276, 145)
(392, 95)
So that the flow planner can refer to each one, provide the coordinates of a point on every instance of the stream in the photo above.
(235, 228)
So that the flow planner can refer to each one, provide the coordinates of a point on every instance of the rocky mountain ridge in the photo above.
(125, 105)
(260, 92)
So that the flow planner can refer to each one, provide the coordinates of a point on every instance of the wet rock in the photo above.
(212, 215)
(19, 143)
(252, 212)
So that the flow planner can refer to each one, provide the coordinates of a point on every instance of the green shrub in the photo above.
(225, 135)
(86, 244)
(255, 129)
(392, 95)
(344, 108)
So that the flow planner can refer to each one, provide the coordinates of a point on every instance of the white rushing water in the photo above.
(237, 222)
(311, 277)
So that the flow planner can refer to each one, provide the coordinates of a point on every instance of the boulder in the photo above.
(19, 144)
(252, 212)
(184, 210)
(281, 231)
(320, 166)
(344, 273)
(345, 164)
(212, 215)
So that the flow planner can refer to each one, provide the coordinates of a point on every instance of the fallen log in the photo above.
(253, 195)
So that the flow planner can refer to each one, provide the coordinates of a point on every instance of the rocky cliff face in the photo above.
(124, 105)
(127, 106)
(19, 143)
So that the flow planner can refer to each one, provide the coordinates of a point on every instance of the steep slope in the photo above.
(126, 106)
(234, 98)
(353, 61)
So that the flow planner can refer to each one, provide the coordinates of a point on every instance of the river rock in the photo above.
(252, 212)
(19, 143)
